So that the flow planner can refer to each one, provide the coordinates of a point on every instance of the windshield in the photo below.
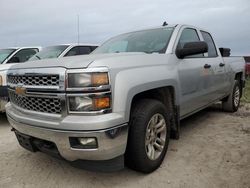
(49, 52)
(148, 41)
(5, 53)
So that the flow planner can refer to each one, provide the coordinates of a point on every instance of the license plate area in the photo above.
(25, 141)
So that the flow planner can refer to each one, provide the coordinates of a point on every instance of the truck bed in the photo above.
(237, 63)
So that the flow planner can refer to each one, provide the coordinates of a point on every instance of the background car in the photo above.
(9, 57)
(63, 50)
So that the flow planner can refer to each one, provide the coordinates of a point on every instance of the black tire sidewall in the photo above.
(235, 108)
(137, 151)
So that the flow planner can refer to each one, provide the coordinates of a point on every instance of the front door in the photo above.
(194, 76)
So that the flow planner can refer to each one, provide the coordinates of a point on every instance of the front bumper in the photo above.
(109, 146)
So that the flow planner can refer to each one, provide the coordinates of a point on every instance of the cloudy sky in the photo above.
(48, 22)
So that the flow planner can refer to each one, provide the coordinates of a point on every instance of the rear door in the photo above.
(219, 79)
(194, 78)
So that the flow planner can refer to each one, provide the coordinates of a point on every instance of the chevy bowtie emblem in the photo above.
(20, 90)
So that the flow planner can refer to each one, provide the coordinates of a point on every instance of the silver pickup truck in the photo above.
(122, 103)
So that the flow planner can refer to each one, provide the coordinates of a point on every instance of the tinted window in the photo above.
(49, 52)
(211, 47)
(72, 52)
(85, 49)
(79, 50)
(148, 41)
(93, 47)
(189, 35)
(23, 55)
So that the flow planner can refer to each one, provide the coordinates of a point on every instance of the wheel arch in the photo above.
(157, 93)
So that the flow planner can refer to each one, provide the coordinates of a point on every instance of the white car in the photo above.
(9, 57)
(64, 50)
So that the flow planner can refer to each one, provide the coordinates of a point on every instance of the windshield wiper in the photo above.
(37, 57)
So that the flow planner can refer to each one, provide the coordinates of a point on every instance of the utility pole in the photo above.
(78, 35)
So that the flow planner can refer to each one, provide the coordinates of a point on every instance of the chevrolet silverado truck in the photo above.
(121, 104)
(64, 50)
(9, 57)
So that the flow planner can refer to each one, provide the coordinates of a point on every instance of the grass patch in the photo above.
(246, 95)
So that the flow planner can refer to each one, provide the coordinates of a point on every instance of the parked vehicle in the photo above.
(64, 50)
(9, 57)
(247, 60)
(124, 101)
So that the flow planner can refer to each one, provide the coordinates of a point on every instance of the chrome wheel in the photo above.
(155, 137)
(237, 96)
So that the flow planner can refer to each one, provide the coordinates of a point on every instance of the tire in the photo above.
(233, 101)
(139, 154)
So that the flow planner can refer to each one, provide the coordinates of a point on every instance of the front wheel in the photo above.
(148, 136)
(233, 101)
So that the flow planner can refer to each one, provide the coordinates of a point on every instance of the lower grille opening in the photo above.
(36, 144)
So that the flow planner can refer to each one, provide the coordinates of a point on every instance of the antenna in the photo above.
(78, 36)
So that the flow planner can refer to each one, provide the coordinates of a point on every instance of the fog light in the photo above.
(83, 143)
(87, 141)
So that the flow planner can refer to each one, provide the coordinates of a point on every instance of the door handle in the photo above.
(207, 66)
(222, 64)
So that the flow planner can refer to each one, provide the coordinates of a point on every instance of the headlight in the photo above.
(87, 104)
(1, 81)
(80, 80)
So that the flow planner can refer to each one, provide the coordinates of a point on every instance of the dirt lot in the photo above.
(214, 151)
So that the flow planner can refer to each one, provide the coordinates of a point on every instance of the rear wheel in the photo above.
(148, 136)
(233, 101)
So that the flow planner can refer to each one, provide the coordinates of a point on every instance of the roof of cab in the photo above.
(17, 48)
(76, 44)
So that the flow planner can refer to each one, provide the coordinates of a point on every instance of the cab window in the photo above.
(188, 35)
(211, 46)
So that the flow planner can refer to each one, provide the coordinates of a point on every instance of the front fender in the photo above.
(131, 82)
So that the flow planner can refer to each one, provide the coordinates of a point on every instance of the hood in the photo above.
(6, 66)
(81, 61)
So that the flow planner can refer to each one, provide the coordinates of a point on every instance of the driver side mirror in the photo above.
(14, 60)
(192, 48)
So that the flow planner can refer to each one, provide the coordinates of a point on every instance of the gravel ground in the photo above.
(213, 151)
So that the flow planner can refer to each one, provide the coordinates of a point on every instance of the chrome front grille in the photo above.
(37, 104)
(34, 80)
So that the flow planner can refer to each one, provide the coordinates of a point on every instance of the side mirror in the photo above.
(14, 60)
(192, 48)
(225, 52)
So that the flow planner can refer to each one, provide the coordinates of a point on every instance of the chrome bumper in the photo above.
(109, 147)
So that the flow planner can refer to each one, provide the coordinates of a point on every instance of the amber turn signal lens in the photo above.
(101, 103)
(100, 79)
